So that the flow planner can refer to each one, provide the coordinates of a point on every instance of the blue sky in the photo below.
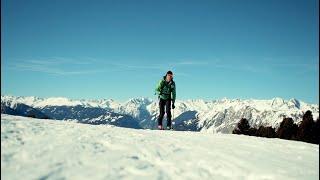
(249, 49)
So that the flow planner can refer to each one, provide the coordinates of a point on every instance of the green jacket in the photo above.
(165, 93)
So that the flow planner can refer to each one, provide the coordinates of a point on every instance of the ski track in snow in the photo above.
(48, 149)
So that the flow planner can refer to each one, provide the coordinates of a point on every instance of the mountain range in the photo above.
(216, 116)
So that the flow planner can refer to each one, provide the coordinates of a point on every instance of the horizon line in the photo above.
(218, 99)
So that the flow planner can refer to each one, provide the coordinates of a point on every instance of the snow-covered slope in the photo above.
(21, 110)
(91, 115)
(43, 149)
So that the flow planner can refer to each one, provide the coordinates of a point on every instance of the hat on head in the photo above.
(169, 72)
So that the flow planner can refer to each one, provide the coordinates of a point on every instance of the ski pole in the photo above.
(172, 123)
(152, 125)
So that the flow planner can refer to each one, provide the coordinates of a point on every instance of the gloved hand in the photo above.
(161, 96)
(173, 106)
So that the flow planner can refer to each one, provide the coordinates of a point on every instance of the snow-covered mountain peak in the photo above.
(295, 102)
(193, 105)
(109, 103)
(58, 101)
(109, 99)
(132, 105)
(196, 101)
(37, 102)
(12, 101)
(139, 101)
(277, 102)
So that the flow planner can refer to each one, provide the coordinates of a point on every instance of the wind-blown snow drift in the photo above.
(41, 149)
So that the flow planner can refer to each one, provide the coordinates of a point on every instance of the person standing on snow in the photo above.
(165, 88)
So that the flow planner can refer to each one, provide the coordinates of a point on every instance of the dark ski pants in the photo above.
(165, 104)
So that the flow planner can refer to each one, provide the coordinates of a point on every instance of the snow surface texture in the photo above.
(48, 149)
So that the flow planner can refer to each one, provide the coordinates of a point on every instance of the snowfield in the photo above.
(48, 149)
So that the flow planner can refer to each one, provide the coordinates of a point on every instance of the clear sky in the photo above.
(84, 49)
